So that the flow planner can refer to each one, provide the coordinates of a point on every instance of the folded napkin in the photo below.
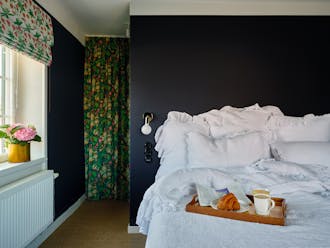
(207, 194)
(237, 190)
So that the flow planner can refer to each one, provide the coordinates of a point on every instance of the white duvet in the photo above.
(305, 187)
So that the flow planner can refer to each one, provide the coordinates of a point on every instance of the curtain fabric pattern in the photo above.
(106, 113)
(26, 28)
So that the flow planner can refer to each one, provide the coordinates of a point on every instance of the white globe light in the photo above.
(146, 129)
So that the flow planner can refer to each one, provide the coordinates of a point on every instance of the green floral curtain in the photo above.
(26, 28)
(106, 113)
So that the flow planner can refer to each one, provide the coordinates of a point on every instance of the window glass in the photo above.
(1, 58)
(7, 88)
(22, 95)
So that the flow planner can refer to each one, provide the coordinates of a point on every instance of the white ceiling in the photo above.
(102, 17)
(230, 7)
(111, 17)
(90, 17)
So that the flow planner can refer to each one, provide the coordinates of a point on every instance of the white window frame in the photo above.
(10, 172)
(7, 113)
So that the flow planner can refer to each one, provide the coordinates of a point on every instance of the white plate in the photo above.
(243, 205)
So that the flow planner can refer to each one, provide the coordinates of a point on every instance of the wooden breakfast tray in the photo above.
(276, 217)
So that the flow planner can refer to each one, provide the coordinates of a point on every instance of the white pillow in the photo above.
(302, 152)
(240, 150)
(273, 110)
(230, 121)
(171, 141)
(307, 128)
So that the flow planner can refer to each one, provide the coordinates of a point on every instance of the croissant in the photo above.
(228, 202)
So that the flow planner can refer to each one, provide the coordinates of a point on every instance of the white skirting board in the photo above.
(133, 229)
(45, 234)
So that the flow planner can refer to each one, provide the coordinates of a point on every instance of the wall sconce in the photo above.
(146, 128)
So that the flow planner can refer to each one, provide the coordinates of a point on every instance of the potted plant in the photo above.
(17, 138)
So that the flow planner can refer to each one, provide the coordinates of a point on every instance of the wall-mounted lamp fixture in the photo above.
(146, 128)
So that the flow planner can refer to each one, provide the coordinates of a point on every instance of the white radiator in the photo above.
(26, 209)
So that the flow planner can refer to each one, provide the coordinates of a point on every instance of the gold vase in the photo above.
(18, 153)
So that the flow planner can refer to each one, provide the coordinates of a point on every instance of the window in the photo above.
(22, 95)
(7, 88)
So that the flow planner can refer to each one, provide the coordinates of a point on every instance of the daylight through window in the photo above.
(8, 78)
(22, 94)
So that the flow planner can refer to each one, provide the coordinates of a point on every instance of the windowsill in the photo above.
(10, 172)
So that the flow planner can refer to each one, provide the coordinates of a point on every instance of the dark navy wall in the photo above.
(65, 118)
(195, 64)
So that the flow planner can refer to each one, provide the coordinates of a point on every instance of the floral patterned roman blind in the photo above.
(25, 27)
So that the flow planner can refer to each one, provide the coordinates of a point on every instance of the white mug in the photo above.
(260, 191)
(263, 204)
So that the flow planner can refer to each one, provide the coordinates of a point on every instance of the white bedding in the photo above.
(305, 187)
(220, 128)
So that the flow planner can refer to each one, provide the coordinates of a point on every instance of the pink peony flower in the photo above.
(25, 134)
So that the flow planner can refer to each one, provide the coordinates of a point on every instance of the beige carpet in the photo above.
(96, 224)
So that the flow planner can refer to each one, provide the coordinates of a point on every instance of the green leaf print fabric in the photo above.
(26, 28)
(106, 113)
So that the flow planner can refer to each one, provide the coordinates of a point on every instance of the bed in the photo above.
(254, 147)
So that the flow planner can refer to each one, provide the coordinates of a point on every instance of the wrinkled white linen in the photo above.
(167, 192)
(167, 197)
(170, 137)
(302, 152)
(240, 150)
(308, 222)
(306, 128)
(171, 140)
(306, 188)
(228, 122)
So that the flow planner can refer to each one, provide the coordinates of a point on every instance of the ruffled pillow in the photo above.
(239, 150)
(171, 141)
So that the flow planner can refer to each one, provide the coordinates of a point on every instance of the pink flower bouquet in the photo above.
(19, 134)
